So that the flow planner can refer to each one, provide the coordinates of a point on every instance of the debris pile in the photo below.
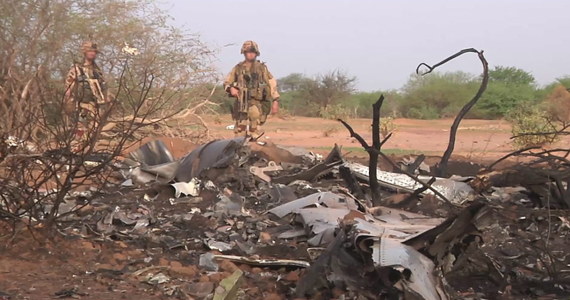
(236, 219)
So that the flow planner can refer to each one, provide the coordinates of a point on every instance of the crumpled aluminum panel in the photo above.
(153, 163)
(152, 153)
(388, 252)
(215, 154)
(327, 199)
(455, 191)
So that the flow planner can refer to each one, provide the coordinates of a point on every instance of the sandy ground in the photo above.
(476, 139)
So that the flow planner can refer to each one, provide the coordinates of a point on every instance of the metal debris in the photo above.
(264, 262)
(207, 262)
(155, 279)
(191, 188)
(259, 172)
(217, 245)
(316, 223)
(455, 191)
(216, 154)
(326, 199)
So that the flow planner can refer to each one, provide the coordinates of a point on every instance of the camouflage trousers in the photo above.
(256, 116)
(87, 121)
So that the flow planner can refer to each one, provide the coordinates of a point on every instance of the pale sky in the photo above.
(381, 42)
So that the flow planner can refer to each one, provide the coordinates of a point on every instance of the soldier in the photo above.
(253, 86)
(85, 90)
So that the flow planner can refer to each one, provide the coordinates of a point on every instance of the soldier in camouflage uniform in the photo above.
(253, 86)
(86, 90)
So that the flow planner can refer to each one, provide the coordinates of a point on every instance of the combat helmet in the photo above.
(250, 46)
(89, 46)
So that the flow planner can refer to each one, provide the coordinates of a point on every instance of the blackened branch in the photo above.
(355, 135)
(442, 167)
(373, 151)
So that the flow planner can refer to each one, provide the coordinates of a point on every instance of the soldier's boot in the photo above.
(263, 119)
(236, 128)
(240, 128)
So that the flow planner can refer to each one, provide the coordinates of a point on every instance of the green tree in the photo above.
(305, 96)
(564, 80)
(360, 103)
(511, 76)
(328, 89)
(508, 87)
(290, 89)
(437, 95)
(292, 82)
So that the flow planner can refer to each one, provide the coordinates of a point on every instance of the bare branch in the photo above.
(442, 167)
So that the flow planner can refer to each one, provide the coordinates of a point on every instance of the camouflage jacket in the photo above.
(85, 83)
(256, 78)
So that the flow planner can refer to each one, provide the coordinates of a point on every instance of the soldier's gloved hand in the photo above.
(275, 106)
(234, 92)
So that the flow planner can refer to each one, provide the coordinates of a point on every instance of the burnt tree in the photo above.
(441, 168)
(373, 150)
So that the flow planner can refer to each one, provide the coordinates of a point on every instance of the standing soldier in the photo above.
(85, 91)
(253, 86)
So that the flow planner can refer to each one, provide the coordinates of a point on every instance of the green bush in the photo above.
(334, 112)
(528, 122)
(433, 96)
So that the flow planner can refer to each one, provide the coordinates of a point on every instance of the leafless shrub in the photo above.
(45, 169)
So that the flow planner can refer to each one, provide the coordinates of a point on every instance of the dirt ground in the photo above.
(72, 267)
(477, 140)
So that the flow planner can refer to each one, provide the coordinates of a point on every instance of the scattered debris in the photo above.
(69, 293)
(191, 188)
(456, 191)
(299, 226)
(264, 262)
(259, 172)
(207, 262)
(154, 279)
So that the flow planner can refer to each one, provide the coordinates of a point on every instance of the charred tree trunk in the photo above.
(374, 150)
(441, 168)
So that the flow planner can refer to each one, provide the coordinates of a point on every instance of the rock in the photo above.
(228, 266)
(265, 237)
(216, 277)
(292, 276)
(177, 267)
(199, 289)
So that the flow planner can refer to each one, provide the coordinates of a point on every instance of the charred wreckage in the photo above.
(344, 229)
(375, 252)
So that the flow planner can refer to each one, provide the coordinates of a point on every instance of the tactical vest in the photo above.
(84, 92)
(255, 79)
